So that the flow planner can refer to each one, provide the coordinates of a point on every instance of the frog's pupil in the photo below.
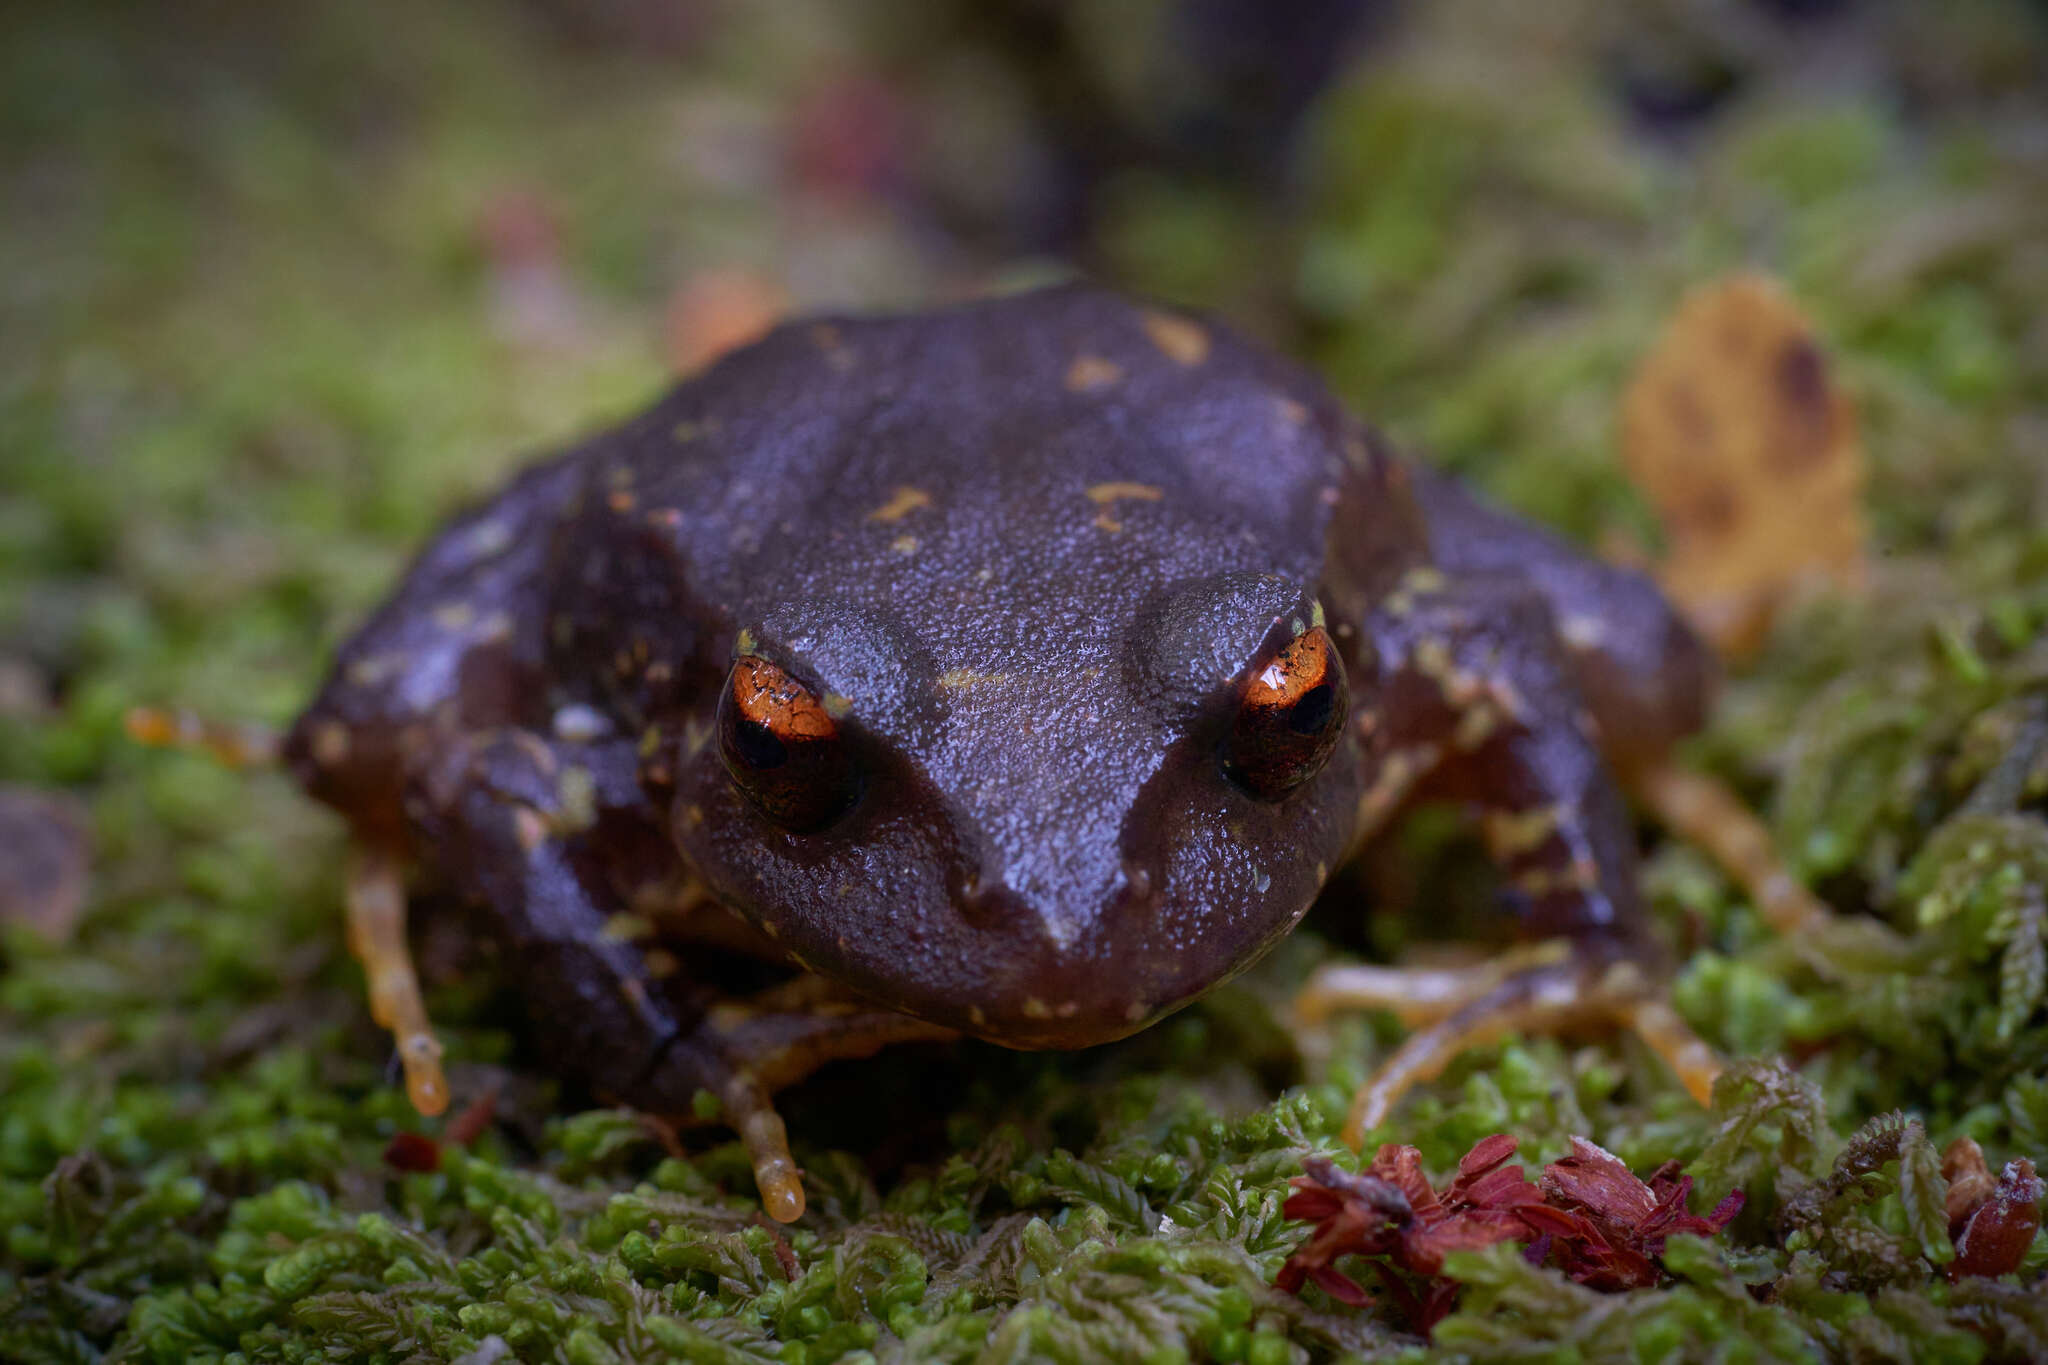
(1311, 713)
(757, 745)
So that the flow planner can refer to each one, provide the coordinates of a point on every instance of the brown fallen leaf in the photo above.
(1736, 432)
(45, 858)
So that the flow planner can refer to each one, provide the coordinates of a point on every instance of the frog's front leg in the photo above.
(1478, 704)
(546, 838)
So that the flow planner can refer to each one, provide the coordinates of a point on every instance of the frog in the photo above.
(1019, 670)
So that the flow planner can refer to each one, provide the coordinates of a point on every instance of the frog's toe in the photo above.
(1704, 813)
(376, 935)
(746, 1050)
(1552, 988)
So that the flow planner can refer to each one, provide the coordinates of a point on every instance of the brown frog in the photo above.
(1023, 670)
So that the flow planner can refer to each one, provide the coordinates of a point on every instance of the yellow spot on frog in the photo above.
(904, 545)
(454, 615)
(576, 790)
(529, 827)
(1103, 495)
(903, 500)
(727, 1016)
(626, 928)
(486, 539)
(959, 679)
(1292, 411)
(1583, 632)
(1476, 724)
(1089, 373)
(1183, 339)
(1399, 772)
(1433, 659)
(1034, 1008)
(838, 705)
(1513, 833)
(621, 501)
(375, 669)
(330, 743)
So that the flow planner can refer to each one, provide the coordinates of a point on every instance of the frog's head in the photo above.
(1046, 826)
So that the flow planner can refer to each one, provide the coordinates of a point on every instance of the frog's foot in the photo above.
(749, 1049)
(1552, 987)
(232, 745)
(1704, 813)
(376, 935)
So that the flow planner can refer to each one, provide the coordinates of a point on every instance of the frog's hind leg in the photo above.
(375, 895)
(1703, 812)
(1548, 989)
(1478, 660)
(1644, 675)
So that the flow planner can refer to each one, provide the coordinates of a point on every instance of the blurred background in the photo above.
(283, 284)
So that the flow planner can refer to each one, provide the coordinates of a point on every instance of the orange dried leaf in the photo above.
(1738, 435)
(720, 310)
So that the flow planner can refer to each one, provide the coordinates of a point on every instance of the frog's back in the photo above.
(1043, 438)
(972, 522)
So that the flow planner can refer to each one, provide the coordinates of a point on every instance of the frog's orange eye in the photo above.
(783, 748)
(1289, 716)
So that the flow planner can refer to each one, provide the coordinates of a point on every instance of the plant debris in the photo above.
(1590, 1216)
(45, 861)
(1992, 1222)
(1737, 432)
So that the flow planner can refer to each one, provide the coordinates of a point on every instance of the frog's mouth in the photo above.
(1033, 973)
(1029, 902)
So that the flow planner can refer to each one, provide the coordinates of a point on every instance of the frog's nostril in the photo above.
(988, 904)
(1140, 887)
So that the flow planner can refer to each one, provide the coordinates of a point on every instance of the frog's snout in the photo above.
(1066, 973)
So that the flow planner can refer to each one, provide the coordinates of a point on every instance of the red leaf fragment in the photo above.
(1590, 1216)
(415, 1152)
(1997, 1233)
(1340, 1286)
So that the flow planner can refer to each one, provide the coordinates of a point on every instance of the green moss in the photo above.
(256, 358)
